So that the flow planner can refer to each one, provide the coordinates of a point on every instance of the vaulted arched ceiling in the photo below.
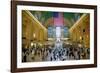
(46, 18)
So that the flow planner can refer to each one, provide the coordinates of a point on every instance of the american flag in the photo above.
(58, 18)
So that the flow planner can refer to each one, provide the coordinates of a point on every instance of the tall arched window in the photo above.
(50, 32)
(65, 32)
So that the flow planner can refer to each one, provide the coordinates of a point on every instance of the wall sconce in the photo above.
(34, 35)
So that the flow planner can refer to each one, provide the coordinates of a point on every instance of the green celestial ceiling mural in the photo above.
(44, 17)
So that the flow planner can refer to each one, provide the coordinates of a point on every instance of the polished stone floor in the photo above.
(58, 52)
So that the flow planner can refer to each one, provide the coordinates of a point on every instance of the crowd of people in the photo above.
(54, 53)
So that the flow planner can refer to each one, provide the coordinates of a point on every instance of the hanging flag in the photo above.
(58, 19)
